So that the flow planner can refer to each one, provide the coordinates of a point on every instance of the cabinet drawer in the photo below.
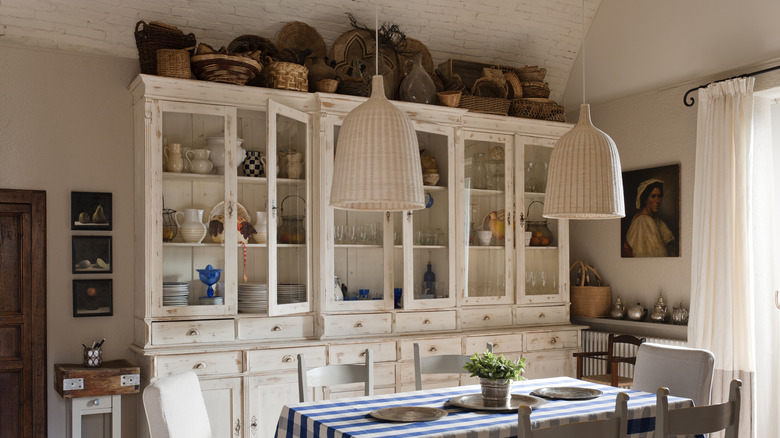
(284, 358)
(487, 317)
(288, 327)
(541, 315)
(501, 343)
(354, 353)
(202, 363)
(429, 347)
(425, 321)
(356, 325)
(551, 340)
(192, 332)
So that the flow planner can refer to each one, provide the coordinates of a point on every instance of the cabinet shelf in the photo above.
(356, 245)
(435, 188)
(171, 176)
(541, 248)
(480, 247)
(263, 180)
(485, 192)
(193, 245)
(429, 246)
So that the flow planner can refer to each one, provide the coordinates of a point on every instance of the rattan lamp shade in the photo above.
(584, 178)
(377, 164)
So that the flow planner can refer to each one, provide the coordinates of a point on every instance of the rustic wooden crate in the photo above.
(103, 380)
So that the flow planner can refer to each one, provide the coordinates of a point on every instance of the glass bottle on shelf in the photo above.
(473, 227)
(429, 282)
(478, 171)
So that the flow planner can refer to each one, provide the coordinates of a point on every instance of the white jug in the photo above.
(198, 160)
(192, 229)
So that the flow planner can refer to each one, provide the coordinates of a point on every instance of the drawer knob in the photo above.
(486, 318)
(362, 353)
(193, 332)
(427, 321)
(96, 402)
(358, 325)
(288, 358)
(253, 425)
(276, 328)
(495, 346)
(432, 349)
(554, 340)
(542, 315)
(199, 365)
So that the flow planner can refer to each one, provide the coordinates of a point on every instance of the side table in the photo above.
(96, 390)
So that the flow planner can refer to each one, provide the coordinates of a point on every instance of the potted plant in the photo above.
(495, 375)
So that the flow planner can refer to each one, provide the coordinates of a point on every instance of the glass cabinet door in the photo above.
(488, 228)
(197, 208)
(542, 266)
(358, 245)
(290, 221)
(429, 234)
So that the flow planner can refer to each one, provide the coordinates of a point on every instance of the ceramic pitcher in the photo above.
(191, 226)
(264, 160)
(199, 162)
(261, 227)
(253, 165)
(294, 165)
(173, 159)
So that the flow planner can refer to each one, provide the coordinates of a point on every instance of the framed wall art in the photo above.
(91, 255)
(90, 211)
(651, 227)
(93, 298)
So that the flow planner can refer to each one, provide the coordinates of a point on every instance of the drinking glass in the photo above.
(530, 183)
(338, 234)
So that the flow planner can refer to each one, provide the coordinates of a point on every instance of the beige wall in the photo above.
(66, 125)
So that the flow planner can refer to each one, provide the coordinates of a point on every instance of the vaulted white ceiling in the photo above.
(631, 46)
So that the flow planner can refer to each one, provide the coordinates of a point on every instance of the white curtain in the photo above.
(722, 313)
(766, 258)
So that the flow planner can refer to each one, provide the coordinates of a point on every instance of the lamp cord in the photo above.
(376, 37)
(582, 50)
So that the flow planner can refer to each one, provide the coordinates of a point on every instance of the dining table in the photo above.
(453, 411)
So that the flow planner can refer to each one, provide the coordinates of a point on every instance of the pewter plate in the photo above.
(567, 393)
(408, 414)
(475, 402)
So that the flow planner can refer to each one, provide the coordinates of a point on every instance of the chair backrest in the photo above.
(616, 426)
(332, 375)
(439, 364)
(175, 408)
(614, 356)
(687, 372)
(699, 419)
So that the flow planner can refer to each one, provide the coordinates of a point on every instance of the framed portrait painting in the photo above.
(92, 298)
(651, 227)
(90, 211)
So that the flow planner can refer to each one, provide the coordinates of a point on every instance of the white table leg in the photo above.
(116, 416)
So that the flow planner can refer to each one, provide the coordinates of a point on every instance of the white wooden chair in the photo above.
(699, 419)
(331, 375)
(175, 408)
(614, 427)
(687, 372)
(439, 364)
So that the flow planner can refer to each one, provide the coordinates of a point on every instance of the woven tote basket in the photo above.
(149, 38)
(589, 301)
(230, 69)
(537, 108)
(487, 105)
(536, 89)
(173, 63)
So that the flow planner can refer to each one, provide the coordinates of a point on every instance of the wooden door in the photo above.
(22, 314)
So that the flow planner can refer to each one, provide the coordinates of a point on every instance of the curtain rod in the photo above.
(689, 101)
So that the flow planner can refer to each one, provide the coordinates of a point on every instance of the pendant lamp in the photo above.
(584, 179)
(377, 164)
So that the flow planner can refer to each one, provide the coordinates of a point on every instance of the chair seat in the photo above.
(606, 379)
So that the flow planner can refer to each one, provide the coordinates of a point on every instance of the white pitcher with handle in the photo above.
(192, 229)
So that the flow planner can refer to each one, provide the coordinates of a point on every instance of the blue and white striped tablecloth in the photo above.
(349, 417)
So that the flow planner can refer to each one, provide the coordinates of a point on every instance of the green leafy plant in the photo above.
(490, 366)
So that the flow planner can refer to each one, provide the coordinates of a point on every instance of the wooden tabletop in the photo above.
(102, 380)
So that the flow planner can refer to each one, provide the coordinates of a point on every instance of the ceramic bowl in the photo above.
(430, 179)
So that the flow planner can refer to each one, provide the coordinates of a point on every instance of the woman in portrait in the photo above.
(648, 235)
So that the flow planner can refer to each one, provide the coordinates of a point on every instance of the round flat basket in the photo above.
(300, 36)
(231, 69)
(411, 47)
(250, 43)
(358, 43)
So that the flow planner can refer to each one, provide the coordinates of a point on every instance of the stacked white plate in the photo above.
(291, 293)
(175, 293)
(252, 298)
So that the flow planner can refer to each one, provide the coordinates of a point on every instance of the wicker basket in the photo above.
(354, 87)
(450, 98)
(219, 67)
(327, 85)
(297, 35)
(470, 71)
(149, 38)
(531, 73)
(536, 89)
(286, 76)
(589, 301)
(488, 87)
(514, 87)
(536, 108)
(488, 105)
(174, 63)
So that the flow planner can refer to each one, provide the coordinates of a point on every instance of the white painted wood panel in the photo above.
(485, 317)
(552, 340)
(501, 343)
(223, 399)
(541, 315)
(429, 347)
(551, 363)
(411, 322)
(356, 325)
(281, 359)
(287, 327)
